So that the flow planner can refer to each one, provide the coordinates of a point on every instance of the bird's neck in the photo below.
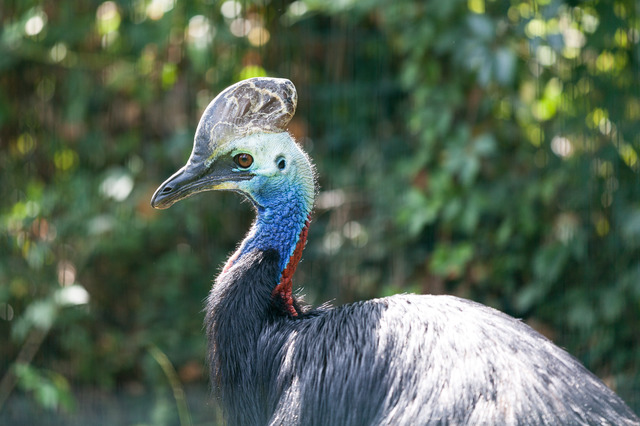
(238, 309)
(283, 227)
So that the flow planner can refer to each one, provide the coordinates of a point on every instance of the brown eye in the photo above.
(243, 160)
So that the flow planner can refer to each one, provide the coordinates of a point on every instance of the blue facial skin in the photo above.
(282, 212)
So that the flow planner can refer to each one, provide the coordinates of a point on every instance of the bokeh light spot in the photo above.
(561, 146)
(6, 311)
(231, 9)
(108, 18)
(35, 24)
(200, 32)
(118, 185)
(66, 273)
(298, 8)
(240, 27)
(58, 52)
(157, 8)
(252, 71)
(65, 159)
(25, 143)
(258, 36)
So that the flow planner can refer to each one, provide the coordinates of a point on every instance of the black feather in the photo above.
(401, 360)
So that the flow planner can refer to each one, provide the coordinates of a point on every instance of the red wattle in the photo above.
(285, 288)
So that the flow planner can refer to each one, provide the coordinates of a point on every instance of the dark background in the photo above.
(483, 148)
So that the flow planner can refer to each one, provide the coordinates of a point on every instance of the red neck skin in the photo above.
(284, 289)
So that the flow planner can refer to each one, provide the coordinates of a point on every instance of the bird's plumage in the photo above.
(405, 359)
(400, 360)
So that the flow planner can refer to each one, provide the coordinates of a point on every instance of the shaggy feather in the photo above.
(400, 360)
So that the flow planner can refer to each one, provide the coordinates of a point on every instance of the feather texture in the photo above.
(400, 360)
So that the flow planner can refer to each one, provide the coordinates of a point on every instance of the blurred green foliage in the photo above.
(482, 148)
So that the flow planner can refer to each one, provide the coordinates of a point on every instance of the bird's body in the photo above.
(401, 360)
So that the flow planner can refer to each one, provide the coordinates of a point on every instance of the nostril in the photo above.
(167, 189)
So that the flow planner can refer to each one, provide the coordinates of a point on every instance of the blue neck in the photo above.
(278, 226)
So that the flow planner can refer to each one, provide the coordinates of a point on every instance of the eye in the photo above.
(243, 160)
(282, 163)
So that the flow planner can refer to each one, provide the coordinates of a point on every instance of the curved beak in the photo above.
(180, 185)
(194, 178)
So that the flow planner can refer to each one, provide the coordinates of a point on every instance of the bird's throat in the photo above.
(284, 289)
(273, 231)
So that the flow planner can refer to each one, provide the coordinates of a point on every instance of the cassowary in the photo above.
(400, 360)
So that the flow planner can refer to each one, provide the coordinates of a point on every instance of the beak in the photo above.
(194, 178)
(183, 183)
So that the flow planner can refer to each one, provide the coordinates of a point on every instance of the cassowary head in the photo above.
(241, 145)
